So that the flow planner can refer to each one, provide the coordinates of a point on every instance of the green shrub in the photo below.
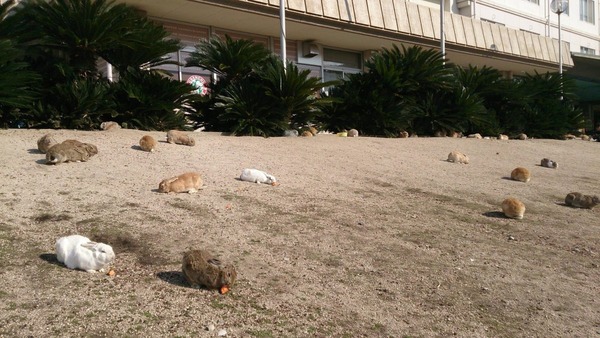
(78, 104)
(17, 84)
(150, 101)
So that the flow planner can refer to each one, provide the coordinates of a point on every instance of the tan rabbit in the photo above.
(201, 269)
(548, 163)
(458, 157)
(306, 133)
(520, 174)
(579, 200)
(179, 137)
(90, 148)
(70, 151)
(109, 125)
(45, 142)
(188, 182)
(148, 143)
(403, 134)
(513, 208)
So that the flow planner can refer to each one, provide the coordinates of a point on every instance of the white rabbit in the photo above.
(78, 252)
(258, 176)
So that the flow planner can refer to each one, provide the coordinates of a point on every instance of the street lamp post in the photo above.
(442, 33)
(282, 33)
(559, 7)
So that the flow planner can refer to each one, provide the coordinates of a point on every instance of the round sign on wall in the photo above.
(198, 83)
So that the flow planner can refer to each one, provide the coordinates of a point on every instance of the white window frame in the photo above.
(587, 10)
(588, 51)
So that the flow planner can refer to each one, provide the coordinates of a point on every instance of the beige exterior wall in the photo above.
(360, 26)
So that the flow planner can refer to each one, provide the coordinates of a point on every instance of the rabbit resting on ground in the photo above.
(78, 252)
(70, 151)
(258, 176)
(200, 268)
(548, 163)
(188, 182)
(513, 208)
(179, 137)
(458, 157)
(148, 143)
(579, 200)
(109, 125)
(520, 174)
(45, 142)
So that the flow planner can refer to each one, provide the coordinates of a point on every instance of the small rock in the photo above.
(222, 333)
(511, 238)
(211, 327)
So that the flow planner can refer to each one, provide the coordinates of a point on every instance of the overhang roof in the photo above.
(586, 73)
(361, 25)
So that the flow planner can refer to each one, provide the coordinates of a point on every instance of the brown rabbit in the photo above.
(148, 143)
(179, 137)
(513, 208)
(70, 151)
(45, 142)
(188, 182)
(458, 157)
(306, 133)
(520, 174)
(200, 268)
(579, 200)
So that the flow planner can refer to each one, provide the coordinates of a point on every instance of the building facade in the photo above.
(332, 38)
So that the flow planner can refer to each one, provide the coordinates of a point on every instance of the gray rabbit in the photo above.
(45, 142)
(70, 151)
(579, 200)
(200, 268)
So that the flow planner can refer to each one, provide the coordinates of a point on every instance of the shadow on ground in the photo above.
(494, 214)
(50, 258)
(173, 277)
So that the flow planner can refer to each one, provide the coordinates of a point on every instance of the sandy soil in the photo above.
(363, 237)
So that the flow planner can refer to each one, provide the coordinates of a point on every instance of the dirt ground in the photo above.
(364, 237)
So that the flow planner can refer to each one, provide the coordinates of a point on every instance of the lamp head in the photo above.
(559, 6)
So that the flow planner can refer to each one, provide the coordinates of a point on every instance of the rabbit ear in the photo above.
(171, 180)
(89, 245)
(215, 262)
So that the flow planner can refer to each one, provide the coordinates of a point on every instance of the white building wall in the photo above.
(531, 17)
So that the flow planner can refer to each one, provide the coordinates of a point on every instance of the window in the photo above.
(340, 58)
(586, 50)
(338, 64)
(586, 11)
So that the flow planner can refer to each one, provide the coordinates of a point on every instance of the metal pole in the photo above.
(442, 35)
(560, 61)
(282, 37)
(179, 73)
